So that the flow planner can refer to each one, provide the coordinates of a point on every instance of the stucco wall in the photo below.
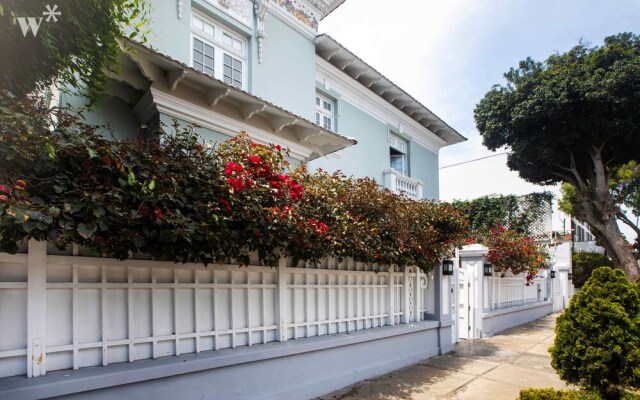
(370, 157)
(112, 112)
(286, 76)
(500, 320)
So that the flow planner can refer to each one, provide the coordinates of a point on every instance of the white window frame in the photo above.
(220, 47)
(323, 113)
(398, 148)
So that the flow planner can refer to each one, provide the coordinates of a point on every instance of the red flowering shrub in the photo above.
(511, 251)
(175, 199)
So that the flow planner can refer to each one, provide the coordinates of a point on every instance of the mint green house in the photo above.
(261, 67)
(85, 327)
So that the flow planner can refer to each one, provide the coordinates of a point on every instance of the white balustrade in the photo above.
(511, 290)
(400, 184)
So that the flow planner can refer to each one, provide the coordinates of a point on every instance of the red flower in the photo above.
(232, 167)
(5, 189)
(237, 184)
(3, 198)
(257, 234)
(169, 213)
(157, 212)
(278, 147)
(253, 145)
(255, 160)
(9, 136)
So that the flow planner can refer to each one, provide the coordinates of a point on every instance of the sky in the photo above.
(448, 53)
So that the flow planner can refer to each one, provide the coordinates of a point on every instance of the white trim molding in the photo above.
(178, 108)
(354, 93)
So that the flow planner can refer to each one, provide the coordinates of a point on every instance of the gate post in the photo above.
(36, 308)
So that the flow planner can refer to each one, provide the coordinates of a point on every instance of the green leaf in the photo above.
(54, 211)
(152, 185)
(48, 148)
(92, 153)
(131, 179)
(20, 214)
(86, 231)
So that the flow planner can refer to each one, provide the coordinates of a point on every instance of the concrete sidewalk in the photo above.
(495, 368)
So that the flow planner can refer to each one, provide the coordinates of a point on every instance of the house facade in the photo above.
(299, 89)
(161, 330)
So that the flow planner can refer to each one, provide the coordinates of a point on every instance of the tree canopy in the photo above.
(75, 42)
(573, 118)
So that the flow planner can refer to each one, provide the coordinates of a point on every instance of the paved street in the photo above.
(495, 368)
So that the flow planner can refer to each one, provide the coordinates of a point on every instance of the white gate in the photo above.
(464, 304)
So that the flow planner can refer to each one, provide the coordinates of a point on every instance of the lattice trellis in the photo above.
(540, 212)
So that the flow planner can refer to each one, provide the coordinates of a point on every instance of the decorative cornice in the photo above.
(287, 19)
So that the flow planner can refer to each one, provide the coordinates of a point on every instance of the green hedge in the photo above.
(173, 197)
(584, 263)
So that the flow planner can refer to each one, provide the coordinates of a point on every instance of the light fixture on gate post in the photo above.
(553, 274)
(570, 276)
(447, 267)
(488, 269)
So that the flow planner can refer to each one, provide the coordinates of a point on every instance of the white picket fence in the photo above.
(511, 290)
(66, 311)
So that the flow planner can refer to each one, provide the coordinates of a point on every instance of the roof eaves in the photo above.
(453, 135)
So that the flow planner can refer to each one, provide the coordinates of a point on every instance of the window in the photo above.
(217, 52)
(398, 158)
(324, 112)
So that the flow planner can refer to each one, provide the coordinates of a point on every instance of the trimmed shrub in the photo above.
(548, 394)
(175, 198)
(584, 263)
(597, 344)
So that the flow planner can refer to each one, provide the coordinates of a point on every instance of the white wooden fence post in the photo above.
(406, 297)
(36, 308)
(391, 297)
(282, 303)
(417, 306)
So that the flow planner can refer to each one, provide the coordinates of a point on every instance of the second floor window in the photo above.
(325, 112)
(217, 52)
(399, 161)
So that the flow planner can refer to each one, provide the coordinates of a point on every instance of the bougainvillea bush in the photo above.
(512, 251)
(174, 198)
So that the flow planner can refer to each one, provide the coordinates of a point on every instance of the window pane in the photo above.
(318, 118)
(208, 61)
(197, 65)
(327, 105)
(227, 80)
(227, 60)
(227, 70)
(237, 75)
(197, 56)
(208, 50)
(208, 70)
(197, 23)
(198, 44)
(237, 65)
(208, 29)
(237, 45)
(317, 101)
(226, 39)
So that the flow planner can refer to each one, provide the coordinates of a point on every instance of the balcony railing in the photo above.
(400, 184)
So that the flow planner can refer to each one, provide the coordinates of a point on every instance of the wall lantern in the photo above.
(553, 274)
(570, 275)
(447, 267)
(488, 269)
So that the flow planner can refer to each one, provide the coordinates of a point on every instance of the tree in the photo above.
(597, 344)
(574, 119)
(77, 44)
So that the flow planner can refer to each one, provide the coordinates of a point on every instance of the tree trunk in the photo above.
(598, 213)
(616, 246)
